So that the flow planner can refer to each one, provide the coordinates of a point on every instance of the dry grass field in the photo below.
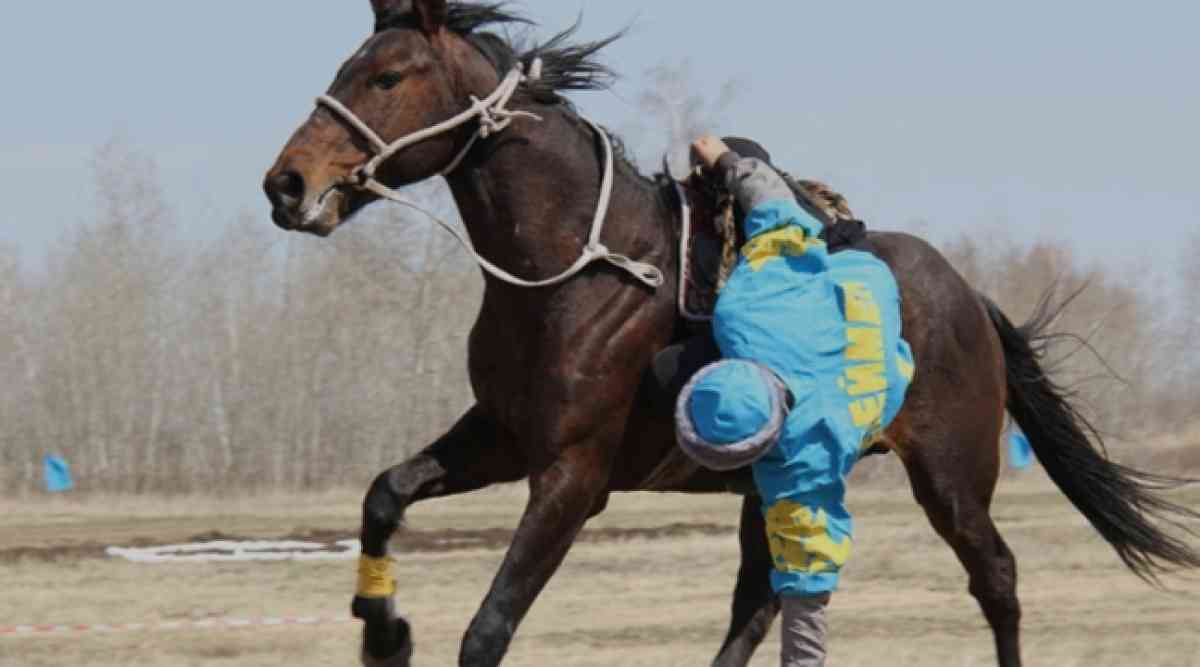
(646, 600)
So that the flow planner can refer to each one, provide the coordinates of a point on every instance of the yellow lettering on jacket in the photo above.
(866, 344)
(867, 383)
(789, 241)
(866, 379)
(860, 304)
(867, 413)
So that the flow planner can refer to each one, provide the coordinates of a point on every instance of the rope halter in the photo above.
(493, 117)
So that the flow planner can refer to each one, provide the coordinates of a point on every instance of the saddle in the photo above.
(710, 238)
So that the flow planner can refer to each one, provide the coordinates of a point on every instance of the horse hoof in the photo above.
(387, 638)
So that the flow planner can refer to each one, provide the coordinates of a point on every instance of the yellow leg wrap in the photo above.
(375, 578)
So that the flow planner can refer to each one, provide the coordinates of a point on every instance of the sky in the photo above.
(1069, 120)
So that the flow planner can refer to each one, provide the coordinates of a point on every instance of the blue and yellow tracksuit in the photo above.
(829, 327)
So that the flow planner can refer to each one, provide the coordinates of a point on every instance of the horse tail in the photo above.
(1123, 504)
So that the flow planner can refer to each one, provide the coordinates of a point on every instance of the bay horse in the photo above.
(560, 372)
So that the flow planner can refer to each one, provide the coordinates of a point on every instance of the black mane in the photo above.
(463, 18)
(566, 65)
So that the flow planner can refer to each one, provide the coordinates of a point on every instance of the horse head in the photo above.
(412, 73)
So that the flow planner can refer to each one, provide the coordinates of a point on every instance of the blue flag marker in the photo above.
(1020, 452)
(58, 475)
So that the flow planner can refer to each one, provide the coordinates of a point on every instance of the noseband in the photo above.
(493, 117)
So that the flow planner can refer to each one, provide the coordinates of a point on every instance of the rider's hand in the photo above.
(707, 150)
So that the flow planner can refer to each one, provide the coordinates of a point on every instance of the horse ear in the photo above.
(430, 13)
(386, 8)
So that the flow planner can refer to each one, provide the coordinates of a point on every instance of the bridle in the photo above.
(493, 117)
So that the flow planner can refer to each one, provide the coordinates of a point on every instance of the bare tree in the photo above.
(265, 361)
(681, 110)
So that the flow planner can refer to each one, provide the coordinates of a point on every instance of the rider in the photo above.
(813, 369)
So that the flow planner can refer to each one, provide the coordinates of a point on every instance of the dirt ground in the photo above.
(648, 586)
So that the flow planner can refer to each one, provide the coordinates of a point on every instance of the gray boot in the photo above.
(804, 630)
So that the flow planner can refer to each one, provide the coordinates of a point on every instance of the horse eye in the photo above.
(387, 80)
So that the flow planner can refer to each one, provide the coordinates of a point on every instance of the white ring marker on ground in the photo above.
(229, 551)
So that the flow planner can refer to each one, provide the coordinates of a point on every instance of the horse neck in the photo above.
(528, 198)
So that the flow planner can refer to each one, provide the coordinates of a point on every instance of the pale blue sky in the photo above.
(1069, 119)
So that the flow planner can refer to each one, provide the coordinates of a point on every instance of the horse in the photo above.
(559, 371)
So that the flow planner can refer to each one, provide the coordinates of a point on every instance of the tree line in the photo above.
(263, 361)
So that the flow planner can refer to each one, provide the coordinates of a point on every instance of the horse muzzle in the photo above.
(294, 208)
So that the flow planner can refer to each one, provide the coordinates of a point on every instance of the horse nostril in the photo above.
(286, 188)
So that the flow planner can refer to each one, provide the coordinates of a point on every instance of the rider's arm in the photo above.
(760, 190)
(753, 181)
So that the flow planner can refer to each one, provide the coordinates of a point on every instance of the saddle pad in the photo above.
(701, 247)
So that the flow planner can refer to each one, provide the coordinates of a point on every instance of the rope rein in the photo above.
(494, 117)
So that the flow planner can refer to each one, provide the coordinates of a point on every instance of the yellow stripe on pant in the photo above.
(800, 540)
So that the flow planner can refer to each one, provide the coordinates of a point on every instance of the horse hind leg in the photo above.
(955, 488)
(468, 457)
(755, 605)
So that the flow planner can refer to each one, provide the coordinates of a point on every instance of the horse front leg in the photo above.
(472, 455)
(755, 605)
(562, 497)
